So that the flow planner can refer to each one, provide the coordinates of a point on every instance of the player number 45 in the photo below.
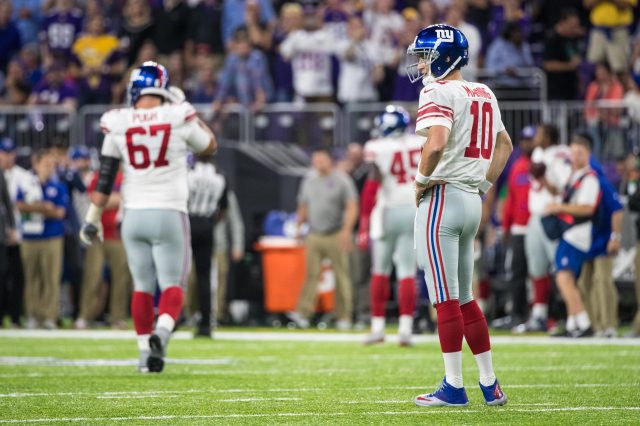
(139, 156)
(398, 167)
(486, 144)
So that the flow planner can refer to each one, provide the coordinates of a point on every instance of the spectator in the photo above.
(507, 54)
(170, 36)
(55, 90)
(8, 237)
(360, 68)
(201, 40)
(112, 251)
(514, 224)
(30, 62)
(609, 39)
(328, 201)
(291, 19)
(43, 204)
(602, 120)
(385, 27)
(229, 228)
(13, 279)
(403, 88)
(260, 33)
(509, 12)
(27, 15)
(336, 18)
(136, 28)
(309, 51)
(596, 281)
(561, 57)
(633, 192)
(579, 202)
(60, 28)
(234, 16)
(245, 77)
(455, 17)
(428, 14)
(204, 88)
(15, 77)
(479, 15)
(207, 202)
(9, 35)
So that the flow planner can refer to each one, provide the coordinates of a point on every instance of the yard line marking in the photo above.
(60, 362)
(177, 396)
(336, 414)
(291, 390)
(296, 336)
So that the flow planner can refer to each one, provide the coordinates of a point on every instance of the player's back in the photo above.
(397, 159)
(152, 144)
(470, 110)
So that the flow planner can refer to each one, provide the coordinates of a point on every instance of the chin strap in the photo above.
(429, 78)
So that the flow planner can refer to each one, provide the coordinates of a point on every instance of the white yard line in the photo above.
(266, 336)
(425, 412)
(60, 362)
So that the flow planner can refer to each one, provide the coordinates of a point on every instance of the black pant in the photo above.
(517, 277)
(202, 246)
(73, 266)
(11, 284)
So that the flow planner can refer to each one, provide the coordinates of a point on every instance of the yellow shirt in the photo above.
(607, 14)
(93, 51)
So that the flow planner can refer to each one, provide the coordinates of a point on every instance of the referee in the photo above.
(207, 201)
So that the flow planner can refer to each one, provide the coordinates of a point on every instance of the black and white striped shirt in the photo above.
(206, 189)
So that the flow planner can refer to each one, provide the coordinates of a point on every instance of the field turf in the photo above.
(294, 378)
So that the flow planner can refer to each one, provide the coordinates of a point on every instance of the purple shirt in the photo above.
(60, 31)
(55, 95)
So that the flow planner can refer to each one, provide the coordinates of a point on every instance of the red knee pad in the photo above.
(450, 326)
(142, 312)
(407, 296)
(476, 331)
(542, 290)
(379, 294)
(171, 302)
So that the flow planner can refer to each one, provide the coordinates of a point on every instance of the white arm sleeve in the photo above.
(197, 138)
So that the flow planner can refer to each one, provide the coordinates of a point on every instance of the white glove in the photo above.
(176, 95)
(91, 230)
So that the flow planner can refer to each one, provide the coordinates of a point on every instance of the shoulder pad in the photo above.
(114, 121)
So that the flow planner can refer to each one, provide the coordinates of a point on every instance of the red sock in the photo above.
(407, 296)
(379, 294)
(542, 290)
(450, 326)
(171, 302)
(476, 331)
(142, 312)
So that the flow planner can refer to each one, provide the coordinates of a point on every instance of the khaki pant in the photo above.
(614, 49)
(599, 292)
(636, 319)
(319, 247)
(42, 264)
(113, 252)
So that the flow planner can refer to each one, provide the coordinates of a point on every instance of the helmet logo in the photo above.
(445, 35)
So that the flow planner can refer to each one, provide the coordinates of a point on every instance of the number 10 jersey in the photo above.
(470, 111)
(152, 144)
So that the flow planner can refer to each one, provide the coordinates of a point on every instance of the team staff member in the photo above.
(43, 204)
(579, 204)
(7, 234)
(329, 202)
(207, 196)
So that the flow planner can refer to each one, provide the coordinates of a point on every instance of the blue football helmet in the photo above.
(150, 78)
(442, 48)
(393, 121)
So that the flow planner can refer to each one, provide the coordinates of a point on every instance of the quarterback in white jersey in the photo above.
(151, 139)
(386, 215)
(465, 151)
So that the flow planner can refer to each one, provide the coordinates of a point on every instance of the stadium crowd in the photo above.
(255, 52)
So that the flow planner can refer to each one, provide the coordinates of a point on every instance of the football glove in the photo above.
(176, 95)
(91, 230)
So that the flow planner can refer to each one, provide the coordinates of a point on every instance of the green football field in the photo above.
(261, 377)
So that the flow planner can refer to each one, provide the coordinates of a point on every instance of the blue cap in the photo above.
(7, 145)
(79, 152)
(527, 132)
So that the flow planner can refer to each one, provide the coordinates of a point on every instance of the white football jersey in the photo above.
(557, 158)
(397, 159)
(152, 144)
(470, 110)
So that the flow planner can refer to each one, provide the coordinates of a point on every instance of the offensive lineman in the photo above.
(151, 138)
(467, 148)
(387, 219)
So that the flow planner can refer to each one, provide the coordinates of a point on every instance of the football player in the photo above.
(465, 151)
(151, 139)
(386, 218)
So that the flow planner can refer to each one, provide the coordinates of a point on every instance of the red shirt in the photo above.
(109, 216)
(516, 205)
